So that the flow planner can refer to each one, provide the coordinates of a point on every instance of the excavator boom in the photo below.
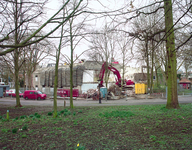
(111, 68)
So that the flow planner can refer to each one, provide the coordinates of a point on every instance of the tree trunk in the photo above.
(172, 97)
(56, 75)
(157, 77)
(123, 75)
(152, 58)
(71, 67)
(147, 55)
(16, 59)
(71, 86)
(55, 88)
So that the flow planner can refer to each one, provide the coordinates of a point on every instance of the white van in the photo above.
(12, 92)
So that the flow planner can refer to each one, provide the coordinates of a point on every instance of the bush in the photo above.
(80, 111)
(65, 110)
(58, 113)
(62, 111)
(22, 117)
(14, 130)
(24, 136)
(37, 115)
(69, 113)
(25, 127)
(31, 116)
(50, 113)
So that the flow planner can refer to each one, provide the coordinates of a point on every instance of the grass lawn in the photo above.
(95, 128)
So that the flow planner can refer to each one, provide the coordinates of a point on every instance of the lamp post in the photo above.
(99, 91)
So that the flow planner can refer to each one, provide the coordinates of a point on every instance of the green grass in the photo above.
(120, 127)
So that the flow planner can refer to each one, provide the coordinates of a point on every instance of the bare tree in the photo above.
(71, 35)
(29, 40)
(103, 48)
(148, 33)
(32, 56)
(172, 98)
(16, 22)
(125, 46)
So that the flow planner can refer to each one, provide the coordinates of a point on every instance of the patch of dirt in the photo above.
(26, 110)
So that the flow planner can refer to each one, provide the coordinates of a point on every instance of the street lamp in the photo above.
(99, 91)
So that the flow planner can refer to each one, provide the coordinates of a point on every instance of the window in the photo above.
(36, 78)
(36, 87)
(40, 92)
(30, 92)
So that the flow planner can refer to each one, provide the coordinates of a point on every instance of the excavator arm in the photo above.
(111, 68)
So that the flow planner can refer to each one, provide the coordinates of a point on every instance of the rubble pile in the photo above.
(116, 90)
(130, 92)
(89, 94)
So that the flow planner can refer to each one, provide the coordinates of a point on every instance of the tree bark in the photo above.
(71, 67)
(147, 55)
(172, 97)
(58, 52)
(16, 59)
(152, 60)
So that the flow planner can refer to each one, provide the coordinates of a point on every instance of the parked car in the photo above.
(34, 94)
(12, 92)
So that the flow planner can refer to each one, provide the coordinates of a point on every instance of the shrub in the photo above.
(50, 113)
(65, 110)
(4, 130)
(69, 113)
(25, 127)
(22, 117)
(31, 116)
(14, 130)
(38, 116)
(80, 111)
(62, 111)
(24, 136)
(58, 113)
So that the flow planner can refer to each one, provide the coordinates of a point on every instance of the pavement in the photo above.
(90, 102)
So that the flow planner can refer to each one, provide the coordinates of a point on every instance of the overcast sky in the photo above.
(95, 5)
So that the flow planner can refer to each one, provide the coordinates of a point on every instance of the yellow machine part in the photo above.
(140, 88)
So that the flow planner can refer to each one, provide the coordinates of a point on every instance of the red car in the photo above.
(34, 94)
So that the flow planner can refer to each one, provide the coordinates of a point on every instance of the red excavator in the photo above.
(116, 72)
(113, 90)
